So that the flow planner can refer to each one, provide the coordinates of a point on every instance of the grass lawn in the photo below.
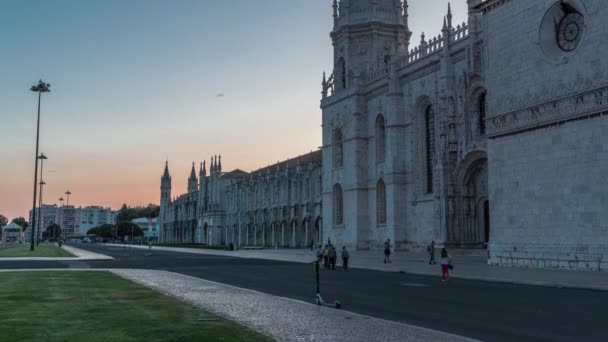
(42, 250)
(100, 306)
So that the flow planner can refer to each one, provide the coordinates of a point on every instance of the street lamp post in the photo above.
(68, 193)
(61, 219)
(42, 158)
(40, 88)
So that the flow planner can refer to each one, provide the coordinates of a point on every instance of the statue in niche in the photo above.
(387, 59)
(452, 140)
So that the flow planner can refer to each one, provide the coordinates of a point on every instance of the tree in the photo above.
(104, 231)
(128, 228)
(3, 220)
(21, 221)
(52, 231)
(129, 214)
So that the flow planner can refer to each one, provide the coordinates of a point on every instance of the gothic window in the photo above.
(320, 187)
(338, 205)
(381, 202)
(341, 76)
(380, 138)
(338, 148)
(429, 129)
(482, 113)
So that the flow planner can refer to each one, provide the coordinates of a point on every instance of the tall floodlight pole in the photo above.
(68, 193)
(61, 217)
(40, 88)
(42, 158)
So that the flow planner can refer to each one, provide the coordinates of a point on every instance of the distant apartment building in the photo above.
(74, 221)
(90, 217)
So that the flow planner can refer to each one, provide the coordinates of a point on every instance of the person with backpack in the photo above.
(345, 257)
(326, 257)
(387, 251)
(445, 265)
(332, 257)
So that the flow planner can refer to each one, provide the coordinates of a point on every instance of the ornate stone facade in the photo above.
(488, 135)
(493, 134)
(278, 205)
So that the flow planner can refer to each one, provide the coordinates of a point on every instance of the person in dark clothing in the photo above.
(431, 250)
(345, 257)
(332, 257)
(387, 251)
(326, 256)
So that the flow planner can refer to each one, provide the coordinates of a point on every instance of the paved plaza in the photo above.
(476, 309)
(282, 318)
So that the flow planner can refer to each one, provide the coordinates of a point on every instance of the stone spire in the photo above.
(193, 172)
(192, 180)
(449, 15)
(335, 7)
(204, 169)
(219, 164)
(166, 173)
(324, 86)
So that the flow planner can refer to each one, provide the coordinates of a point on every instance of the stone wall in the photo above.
(549, 196)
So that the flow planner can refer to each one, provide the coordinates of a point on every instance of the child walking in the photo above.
(445, 265)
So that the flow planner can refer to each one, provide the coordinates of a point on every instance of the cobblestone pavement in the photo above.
(281, 318)
(466, 266)
(79, 255)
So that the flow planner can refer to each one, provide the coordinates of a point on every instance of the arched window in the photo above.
(338, 205)
(429, 128)
(482, 114)
(341, 77)
(338, 148)
(380, 138)
(381, 202)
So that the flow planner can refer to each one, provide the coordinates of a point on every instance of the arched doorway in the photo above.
(472, 218)
(318, 235)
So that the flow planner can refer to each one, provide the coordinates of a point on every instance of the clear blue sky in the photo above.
(135, 81)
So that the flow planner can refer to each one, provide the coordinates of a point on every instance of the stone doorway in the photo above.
(469, 224)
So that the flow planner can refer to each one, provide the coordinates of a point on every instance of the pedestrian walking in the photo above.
(344, 258)
(320, 253)
(326, 257)
(445, 265)
(431, 250)
(387, 251)
(332, 257)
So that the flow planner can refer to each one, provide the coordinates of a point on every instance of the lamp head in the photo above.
(41, 87)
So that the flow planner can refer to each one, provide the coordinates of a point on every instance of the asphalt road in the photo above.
(482, 310)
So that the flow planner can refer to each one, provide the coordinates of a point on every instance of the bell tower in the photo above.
(367, 34)
(165, 200)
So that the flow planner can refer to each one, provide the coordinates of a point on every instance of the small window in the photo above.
(338, 205)
(429, 119)
(342, 73)
(381, 202)
(482, 114)
(338, 148)
(380, 138)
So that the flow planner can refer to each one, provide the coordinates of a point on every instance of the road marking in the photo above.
(414, 285)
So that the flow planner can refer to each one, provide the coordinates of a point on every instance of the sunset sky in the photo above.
(134, 82)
